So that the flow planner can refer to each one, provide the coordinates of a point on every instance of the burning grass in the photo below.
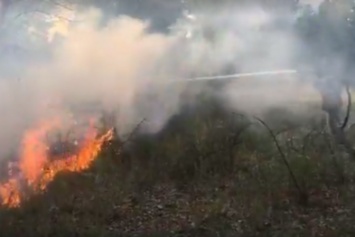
(36, 168)
(208, 173)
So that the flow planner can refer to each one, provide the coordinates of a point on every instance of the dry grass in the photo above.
(209, 173)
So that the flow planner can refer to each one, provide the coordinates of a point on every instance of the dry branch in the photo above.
(346, 120)
(303, 197)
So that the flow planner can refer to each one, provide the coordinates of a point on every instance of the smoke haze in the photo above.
(122, 65)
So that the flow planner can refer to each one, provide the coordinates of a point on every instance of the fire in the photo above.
(37, 169)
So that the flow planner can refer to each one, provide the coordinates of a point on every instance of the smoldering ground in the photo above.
(123, 66)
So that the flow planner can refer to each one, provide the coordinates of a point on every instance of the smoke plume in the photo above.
(124, 67)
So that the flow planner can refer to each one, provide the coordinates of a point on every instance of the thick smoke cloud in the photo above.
(124, 67)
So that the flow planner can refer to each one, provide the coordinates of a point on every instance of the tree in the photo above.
(160, 13)
(329, 37)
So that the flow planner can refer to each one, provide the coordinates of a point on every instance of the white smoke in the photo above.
(123, 66)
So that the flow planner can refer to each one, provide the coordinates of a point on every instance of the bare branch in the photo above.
(134, 131)
(346, 120)
(303, 197)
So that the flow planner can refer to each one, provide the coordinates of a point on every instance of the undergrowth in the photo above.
(209, 172)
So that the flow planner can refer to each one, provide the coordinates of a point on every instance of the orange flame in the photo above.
(36, 167)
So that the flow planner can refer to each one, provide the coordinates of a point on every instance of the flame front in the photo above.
(37, 169)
